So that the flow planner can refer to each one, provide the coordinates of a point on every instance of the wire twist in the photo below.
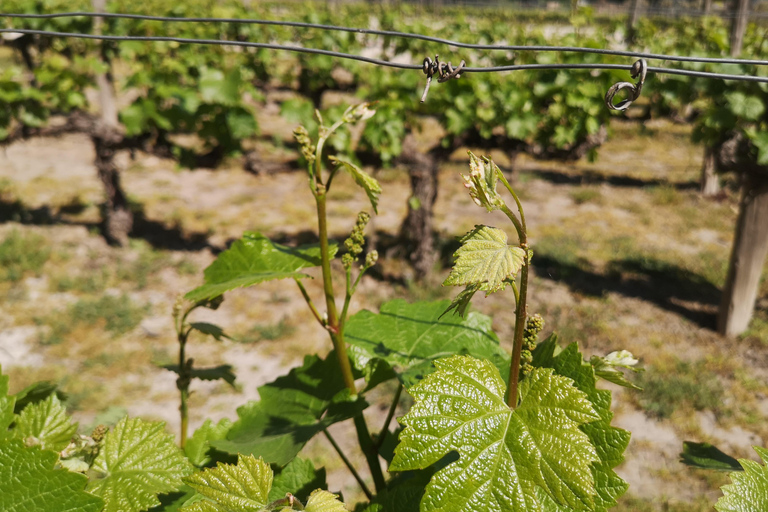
(638, 71)
(444, 71)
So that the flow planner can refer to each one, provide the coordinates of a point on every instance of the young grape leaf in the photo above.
(706, 456)
(324, 501)
(254, 259)
(409, 337)
(7, 406)
(300, 478)
(504, 454)
(608, 368)
(291, 411)
(749, 490)
(485, 258)
(45, 424)
(198, 445)
(28, 481)
(210, 329)
(138, 460)
(232, 488)
(460, 303)
(362, 178)
(221, 372)
(610, 442)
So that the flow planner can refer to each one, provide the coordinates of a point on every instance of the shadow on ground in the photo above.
(659, 282)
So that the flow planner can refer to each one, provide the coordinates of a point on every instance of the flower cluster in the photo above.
(354, 244)
(307, 148)
(533, 327)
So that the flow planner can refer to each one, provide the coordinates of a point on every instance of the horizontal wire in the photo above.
(432, 39)
(379, 62)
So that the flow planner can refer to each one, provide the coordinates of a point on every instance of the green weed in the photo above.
(683, 385)
(22, 253)
(118, 314)
(587, 195)
(665, 195)
(268, 332)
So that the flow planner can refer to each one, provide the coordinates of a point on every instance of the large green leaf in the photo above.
(7, 404)
(299, 478)
(485, 258)
(232, 488)
(45, 424)
(749, 490)
(610, 442)
(198, 445)
(35, 393)
(255, 259)
(29, 482)
(409, 337)
(504, 454)
(291, 411)
(138, 460)
(362, 178)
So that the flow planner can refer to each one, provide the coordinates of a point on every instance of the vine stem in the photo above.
(388, 420)
(336, 331)
(183, 391)
(521, 311)
(348, 464)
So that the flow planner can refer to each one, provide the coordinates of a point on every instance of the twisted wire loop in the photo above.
(638, 71)
(444, 71)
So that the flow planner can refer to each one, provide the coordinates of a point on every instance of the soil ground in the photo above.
(627, 255)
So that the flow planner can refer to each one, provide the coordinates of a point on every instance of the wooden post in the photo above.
(750, 247)
(634, 14)
(107, 137)
(706, 7)
(739, 26)
(710, 181)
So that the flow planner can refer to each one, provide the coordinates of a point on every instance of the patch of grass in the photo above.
(92, 282)
(139, 270)
(118, 315)
(635, 504)
(22, 253)
(665, 195)
(268, 332)
(587, 195)
(683, 384)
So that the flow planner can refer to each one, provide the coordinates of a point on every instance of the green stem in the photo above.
(309, 302)
(517, 200)
(521, 310)
(348, 464)
(183, 384)
(370, 452)
(388, 420)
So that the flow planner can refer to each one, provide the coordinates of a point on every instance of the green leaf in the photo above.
(610, 442)
(254, 259)
(460, 303)
(409, 337)
(7, 406)
(749, 490)
(215, 87)
(299, 478)
(504, 454)
(291, 411)
(747, 107)
(485, 258)
(174, 501)
(45, 424)
(36, 392)
(706, 456)
(233, 488)
(221, 372)
(29, 482)
(608, 368)
(138, 460)
(324, 501)
(362, 178)
(210, 329)
(199, 444)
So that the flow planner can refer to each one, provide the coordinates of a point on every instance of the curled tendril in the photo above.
(638, 71)
(444, 71)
